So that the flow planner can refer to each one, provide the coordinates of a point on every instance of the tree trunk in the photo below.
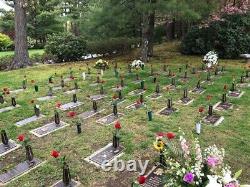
(151, 34)
(144, 42)
(21, 58)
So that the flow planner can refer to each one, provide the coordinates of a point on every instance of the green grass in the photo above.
(137, 133)
(31, 52)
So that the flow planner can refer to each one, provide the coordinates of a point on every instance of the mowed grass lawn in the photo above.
(137, 133)
(31, 52)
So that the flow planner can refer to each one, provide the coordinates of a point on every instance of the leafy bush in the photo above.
(5, 61)
(112, 45)
(229, 37)
(5, 42)
(66, 47)
(159, 33)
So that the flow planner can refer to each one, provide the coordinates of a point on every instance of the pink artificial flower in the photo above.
(212, 161)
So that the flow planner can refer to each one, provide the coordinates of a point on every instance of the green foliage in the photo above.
(108, 46)
(66, 47)
(159, 33)
(5, 61)
(7, 23)
(5, 42)
(229, 37)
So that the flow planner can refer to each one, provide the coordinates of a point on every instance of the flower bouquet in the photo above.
(102, 64)
(187, 165)
(210, 59)
(136, 64)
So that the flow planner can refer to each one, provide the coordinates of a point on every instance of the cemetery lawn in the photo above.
(31, 52)
(137, 132)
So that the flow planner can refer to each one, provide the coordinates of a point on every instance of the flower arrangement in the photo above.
(210, 59)
(136, 64)
(188, 165)
(102, 64)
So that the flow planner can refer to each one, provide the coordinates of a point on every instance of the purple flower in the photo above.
(212, 161)
(188, 178)
(232, 184)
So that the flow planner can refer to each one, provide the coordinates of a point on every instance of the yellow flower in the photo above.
(159, 145)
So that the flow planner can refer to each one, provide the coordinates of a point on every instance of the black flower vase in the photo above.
(154, 80)
(74, 98)
(142, 85)
(193, 71)
(185, 75)
(13, 101)
(216, 71)
(36, 88)
(141, 98)
(169, 73)
(129, 68)
(152, 71)
(247, 73)
(233, 88)
(242, 79)
(97, 79)
(57, 118)
(208, 76)
(94, 106)
(224, 98)
(185, 94)
(150, 115)
(157, 89)
(120, 95)
(24, 84)
(29, 155)
(198, 86)
(162, 158)
(66, 175)
(115, 111)
(1, 99)
(5, 139)
(76, 86)
(101, 90)
(116, 141)
(79, 128)
(122, 82)
(210, 110)
(37, 111)
(170, 104)
(50, 80)
(62, 83)
(180, 69)
(164, 67)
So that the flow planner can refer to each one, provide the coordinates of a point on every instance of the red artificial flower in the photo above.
(225, 87)
(72, 78)
(138, 102)
(5, 89)
(71, 114)
(21, 138)
(170, 135)
(118, 125)
(32, 81)
(141, 179)
(115, 97)
(54, 153)
(58, 105)
(117, 86)
(209, 97)
(32, 101)
(201, 109)
(8, 92)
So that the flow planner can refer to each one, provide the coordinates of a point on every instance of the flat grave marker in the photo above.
(29, 120)
(9, 108)
(109, 119)
(12, 145)
(46, 98)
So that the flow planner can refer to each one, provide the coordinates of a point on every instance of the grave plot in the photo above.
(75, 103)
(110, 119)
(46, 98)
(185, 100)
(19, 170)
(48, 128)
(29, 120)
(97, 97)
(184, 78)
(171, 74)
(167, 111)
(156, 94)
(171, 86)
(13, 106)
(154, 178)
(233, 92)
(137, 105)
(138, 91)
(198, 89)
(69, 92)
(208, 80)
(57, 88)
(242, 83)
(73, 183)
(137, 79)
(105, 155)
(212, 118)
(223, 104)
(91, 113)
(7, 145)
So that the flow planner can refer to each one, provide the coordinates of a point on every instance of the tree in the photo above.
(21, 57)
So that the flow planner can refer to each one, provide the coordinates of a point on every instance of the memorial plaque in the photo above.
(136, 82)
(89, 114)
(223, 106)
(198, 90)
(94, 84)
(105, 155)
(9, 108)
(136, 92)
(97, 97)
(5, 150)
(154, 96)
(167, 111)
(57, 88)
(28, 120)
(213, 119)
(72, 184)
(46, 98)
(18, 171)
(71, 91)
(70, 105)
(16, 91)
(186, 101)
(109, 119)
(235, 94)
(134, 106)
(154, 178)
(48, 128)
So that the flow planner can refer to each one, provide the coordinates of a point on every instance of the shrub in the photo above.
(229, 37)
(66, 47)
(5, 61)
(5, 42)
(112, 45)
